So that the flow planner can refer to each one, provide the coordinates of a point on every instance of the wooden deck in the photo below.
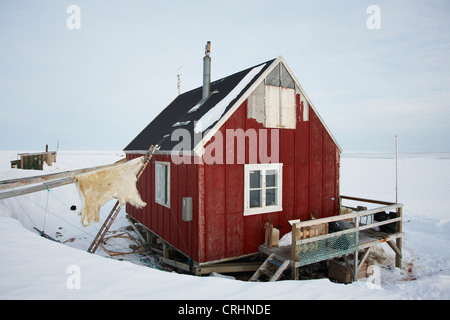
(367, 238)
(311, 241)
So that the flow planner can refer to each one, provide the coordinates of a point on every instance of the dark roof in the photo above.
(178, 112)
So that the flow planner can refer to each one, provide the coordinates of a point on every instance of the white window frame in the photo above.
(279, 183)
(164, 184)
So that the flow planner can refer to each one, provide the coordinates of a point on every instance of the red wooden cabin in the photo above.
(247, 149)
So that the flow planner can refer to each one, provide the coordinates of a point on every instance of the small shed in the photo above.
(34, 161)
(241, 151)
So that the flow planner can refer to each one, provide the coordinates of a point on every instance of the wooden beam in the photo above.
(21, 182)
(395, 248)
(44, 182)
(139, 234)
(382, 240)
(176, 264)
(380, 223)
(352, 215)
(229, 267)
(364, 257)
(367, 200)
(39, 187)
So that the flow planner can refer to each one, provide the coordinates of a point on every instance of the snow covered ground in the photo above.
(32, 267)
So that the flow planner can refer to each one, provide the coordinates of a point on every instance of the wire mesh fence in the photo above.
(325, 249)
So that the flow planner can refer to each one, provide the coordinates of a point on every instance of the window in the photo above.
(263, 188)
(162, 183)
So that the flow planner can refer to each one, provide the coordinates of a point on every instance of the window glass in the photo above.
(271, 178)
(162, 182)
(271, 197)
(255, 179)
(255, 199)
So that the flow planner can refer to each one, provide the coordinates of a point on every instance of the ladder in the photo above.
(273, 268)
(117, 207)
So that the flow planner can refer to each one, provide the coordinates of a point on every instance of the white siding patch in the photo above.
(287, 116)
(280, 107)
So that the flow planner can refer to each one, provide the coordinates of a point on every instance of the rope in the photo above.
(60, 201)
(46, 210)
(26, 214)
(83, 231)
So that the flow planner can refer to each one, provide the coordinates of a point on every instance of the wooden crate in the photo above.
(312, 231)
(341, 273)
(305, 233)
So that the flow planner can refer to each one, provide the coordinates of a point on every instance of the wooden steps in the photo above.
(272, 267)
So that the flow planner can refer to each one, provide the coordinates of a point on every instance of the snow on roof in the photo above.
(216, 112)
(196, 115)
(190, 112)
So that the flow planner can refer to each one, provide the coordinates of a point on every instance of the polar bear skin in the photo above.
(98, 187)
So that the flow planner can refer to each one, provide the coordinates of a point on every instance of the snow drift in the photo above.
(32, 267)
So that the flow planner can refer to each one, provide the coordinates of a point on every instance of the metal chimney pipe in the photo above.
(207, 72)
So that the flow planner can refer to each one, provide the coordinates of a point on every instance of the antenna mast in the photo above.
(179, 80)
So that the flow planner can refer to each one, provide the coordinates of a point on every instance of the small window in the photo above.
(262, 188)
(162, 183)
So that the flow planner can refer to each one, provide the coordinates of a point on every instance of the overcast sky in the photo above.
(97, 87)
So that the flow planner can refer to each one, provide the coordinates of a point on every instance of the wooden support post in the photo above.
(295, 236)
(355, 263)
(294, 257)
(268, 229)
(294, 271)
(166, 250)
(398, 255)
(149, 239)
(141, 237)
(395, 248)
(364, 257)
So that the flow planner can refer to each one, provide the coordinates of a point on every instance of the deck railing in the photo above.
(312, 242)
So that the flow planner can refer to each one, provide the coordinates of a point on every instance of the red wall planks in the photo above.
(215, 203)
(219, 229)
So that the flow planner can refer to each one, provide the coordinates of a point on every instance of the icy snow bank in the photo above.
(32, 267)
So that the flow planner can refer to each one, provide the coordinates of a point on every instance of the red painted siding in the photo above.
(219, 229)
